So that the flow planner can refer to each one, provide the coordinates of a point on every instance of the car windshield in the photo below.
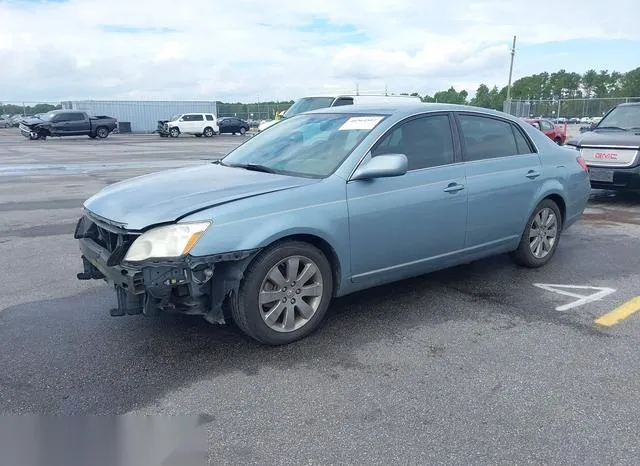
(311, 145)
(47, 116)
(306, 104)
(623, 117)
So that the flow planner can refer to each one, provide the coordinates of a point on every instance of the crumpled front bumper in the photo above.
(25, 130)
(188, 285)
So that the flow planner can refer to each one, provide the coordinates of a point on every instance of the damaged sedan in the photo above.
(327, 203)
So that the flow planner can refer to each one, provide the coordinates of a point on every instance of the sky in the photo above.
(246, 50)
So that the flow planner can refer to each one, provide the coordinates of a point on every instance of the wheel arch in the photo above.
(322, 244)
(560, 202)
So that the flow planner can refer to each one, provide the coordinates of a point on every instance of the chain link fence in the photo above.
(564, 109)
(253, 113)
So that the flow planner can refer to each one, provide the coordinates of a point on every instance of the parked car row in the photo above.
(201, 124)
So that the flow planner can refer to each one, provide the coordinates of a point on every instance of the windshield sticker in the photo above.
(368, 122)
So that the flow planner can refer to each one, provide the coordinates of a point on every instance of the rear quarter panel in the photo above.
(562, 176)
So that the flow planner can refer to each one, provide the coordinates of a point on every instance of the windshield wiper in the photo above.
(254, 167)
(611, 127)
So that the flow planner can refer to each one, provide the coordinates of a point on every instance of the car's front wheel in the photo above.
(541, 235)
(285, 293)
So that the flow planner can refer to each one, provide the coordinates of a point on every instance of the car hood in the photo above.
(31, 121)
(608, 138)
(167, 196)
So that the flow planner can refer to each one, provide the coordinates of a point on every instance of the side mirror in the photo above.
(382, 166)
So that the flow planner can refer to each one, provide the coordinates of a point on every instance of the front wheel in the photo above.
(242, 131)
(285, 293)
(541, 235)
(174, 132)
(208, 132)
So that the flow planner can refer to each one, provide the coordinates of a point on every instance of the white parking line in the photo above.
(582, 299)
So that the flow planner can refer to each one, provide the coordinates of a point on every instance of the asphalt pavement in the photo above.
(473, 365)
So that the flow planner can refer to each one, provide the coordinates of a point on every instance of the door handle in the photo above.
(533, 174)
(454, 188)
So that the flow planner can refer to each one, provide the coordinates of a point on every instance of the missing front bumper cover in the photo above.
(189, 285)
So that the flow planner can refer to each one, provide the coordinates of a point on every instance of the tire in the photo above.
(242, 131)
(558, 141)
(208, 132)
(245, 306)
(102, 132)
(174, 132)
(524, 255)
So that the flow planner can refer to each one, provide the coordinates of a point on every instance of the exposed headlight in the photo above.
(169, 241)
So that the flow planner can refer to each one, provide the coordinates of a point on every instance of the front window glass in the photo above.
(306, 145)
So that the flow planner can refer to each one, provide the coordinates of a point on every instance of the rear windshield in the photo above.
(306, 104)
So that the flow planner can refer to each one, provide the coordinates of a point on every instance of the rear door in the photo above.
(503, 174)
(78, 124)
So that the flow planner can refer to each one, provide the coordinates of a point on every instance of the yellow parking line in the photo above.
(620, 313)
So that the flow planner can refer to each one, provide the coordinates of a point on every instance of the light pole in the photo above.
(513, 52)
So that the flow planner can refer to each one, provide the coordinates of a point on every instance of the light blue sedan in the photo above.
(327, 203)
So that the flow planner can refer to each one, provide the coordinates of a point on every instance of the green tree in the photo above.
(451, 96)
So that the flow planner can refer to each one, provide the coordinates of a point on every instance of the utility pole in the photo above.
(513, 52)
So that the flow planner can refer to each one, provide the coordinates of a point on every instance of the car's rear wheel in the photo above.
(541, 235)
(102, 132)
(285, 293)
(208, 132)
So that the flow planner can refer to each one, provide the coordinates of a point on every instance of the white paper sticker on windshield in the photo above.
(367, 122)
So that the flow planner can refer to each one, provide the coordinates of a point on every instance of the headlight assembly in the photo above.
(169, 241)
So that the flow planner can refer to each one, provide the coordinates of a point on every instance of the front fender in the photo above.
(326, 220)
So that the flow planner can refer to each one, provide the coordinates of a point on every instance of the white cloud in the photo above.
(255, 49)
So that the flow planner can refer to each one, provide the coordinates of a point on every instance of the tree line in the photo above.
(542, 86)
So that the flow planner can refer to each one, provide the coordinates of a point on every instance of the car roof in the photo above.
(628, 104)
(407, 109)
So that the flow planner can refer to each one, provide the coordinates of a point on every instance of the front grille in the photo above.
(115, 240)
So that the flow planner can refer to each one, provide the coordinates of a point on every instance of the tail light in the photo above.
(582, 163)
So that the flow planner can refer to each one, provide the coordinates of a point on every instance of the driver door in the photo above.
(411, 224)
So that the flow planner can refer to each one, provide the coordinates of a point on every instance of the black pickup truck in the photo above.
(611, 149)
(67, 123)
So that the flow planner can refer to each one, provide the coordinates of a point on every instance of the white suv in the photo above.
(198, 124)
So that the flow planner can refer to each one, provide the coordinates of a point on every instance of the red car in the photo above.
(555, 132)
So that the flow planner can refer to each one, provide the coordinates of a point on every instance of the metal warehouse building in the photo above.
(141, 115)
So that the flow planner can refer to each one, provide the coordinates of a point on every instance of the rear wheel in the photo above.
(285, 293)
(541, 235)
(102, 132)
